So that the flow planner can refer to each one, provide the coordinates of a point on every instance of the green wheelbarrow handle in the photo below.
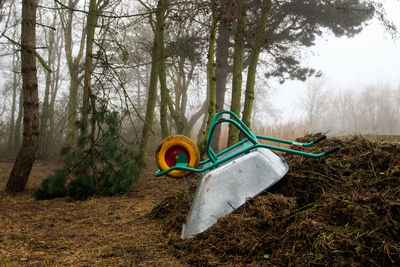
(249, 143)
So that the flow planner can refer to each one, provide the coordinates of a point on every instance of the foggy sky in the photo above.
(370, 58)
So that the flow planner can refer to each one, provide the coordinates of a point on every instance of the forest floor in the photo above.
(340, 210)
(98, 231)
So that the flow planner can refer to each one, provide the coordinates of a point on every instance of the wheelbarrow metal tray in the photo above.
(225, 188)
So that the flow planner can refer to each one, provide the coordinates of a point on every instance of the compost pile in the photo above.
(343, 209)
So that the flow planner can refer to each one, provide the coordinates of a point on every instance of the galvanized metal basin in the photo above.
(225, 188)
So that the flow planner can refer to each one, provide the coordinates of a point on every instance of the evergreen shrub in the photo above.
(99, 164)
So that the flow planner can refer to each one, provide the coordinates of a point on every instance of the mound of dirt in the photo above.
(172, 211)
(343, 209)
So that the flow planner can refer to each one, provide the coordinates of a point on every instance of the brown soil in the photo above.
(99, 231)
(337, 211)
(341, 210)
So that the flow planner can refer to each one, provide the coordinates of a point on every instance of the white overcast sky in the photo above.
(371, 57)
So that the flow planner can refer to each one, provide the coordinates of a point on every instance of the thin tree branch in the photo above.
(41, 60)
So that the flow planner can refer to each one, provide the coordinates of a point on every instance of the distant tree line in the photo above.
(368, 110)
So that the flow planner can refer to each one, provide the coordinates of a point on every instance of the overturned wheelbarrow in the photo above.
(229, 177)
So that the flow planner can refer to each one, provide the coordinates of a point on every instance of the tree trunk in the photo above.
(184, 97)
(43, 140)
(11, 140)
(17, 133)
(256, 45)
(181, 79)
(139, 92)
(204, 120)
(237, 71)
(151, 103)
(55, 87)
(250, 83)
(74, 70)
(175, 115)
(88, 96)
(72, 107)
(221, 72)
(26, 156)
(159, 33)
(212, 82)
(44, 118)
(195, 117)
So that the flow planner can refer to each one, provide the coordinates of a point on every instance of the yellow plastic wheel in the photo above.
(168, 150)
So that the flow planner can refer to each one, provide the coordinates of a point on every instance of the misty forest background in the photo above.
(108, 79)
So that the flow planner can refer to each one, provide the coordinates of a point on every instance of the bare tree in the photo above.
(314, 103)
(222, 58)
(151, 93)
(387, 115)
(44, 118)
(212, 91)
(15, 84)
(74, 67)
(233, 135)
(26, 156)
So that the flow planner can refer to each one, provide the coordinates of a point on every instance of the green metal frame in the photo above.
(214, 160)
